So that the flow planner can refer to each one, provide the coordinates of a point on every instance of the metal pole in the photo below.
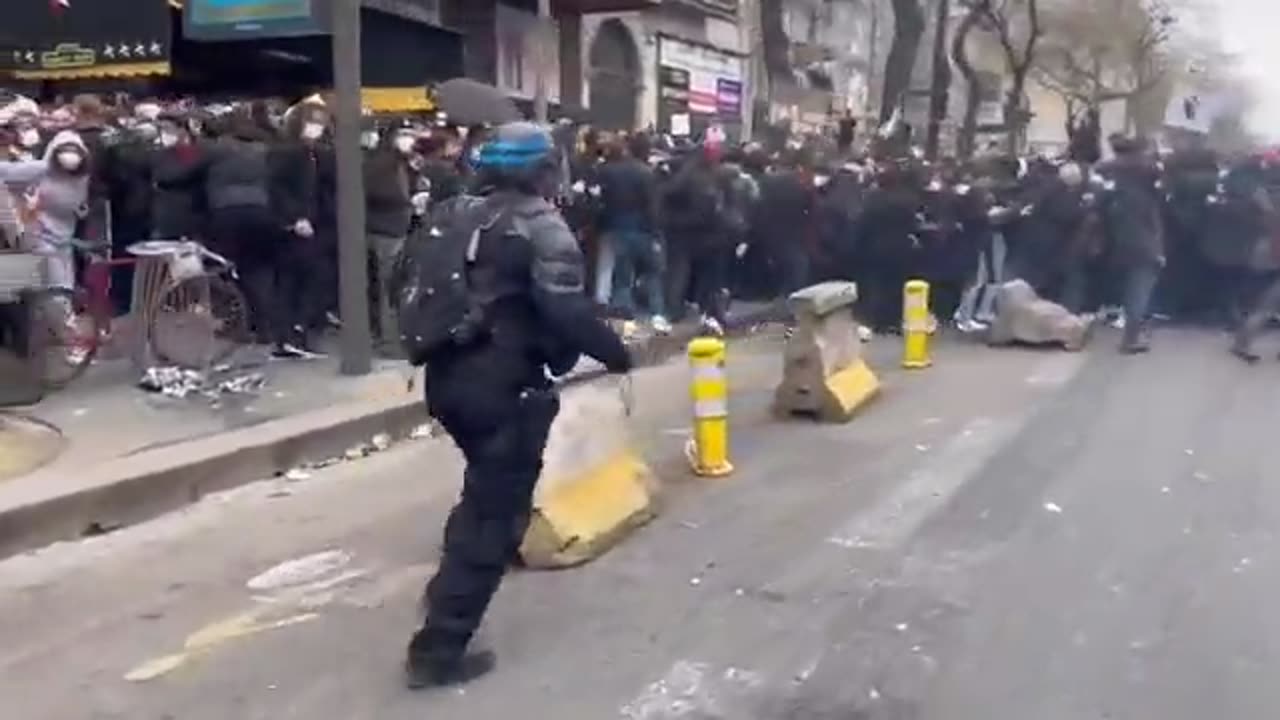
(357, 347)
(542, 41)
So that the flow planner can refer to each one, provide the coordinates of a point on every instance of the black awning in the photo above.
(57, 39)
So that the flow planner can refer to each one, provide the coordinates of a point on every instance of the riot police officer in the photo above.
(493, 396)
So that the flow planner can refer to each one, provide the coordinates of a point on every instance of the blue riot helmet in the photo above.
(521, 156)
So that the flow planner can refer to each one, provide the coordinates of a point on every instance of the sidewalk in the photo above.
(129, 455)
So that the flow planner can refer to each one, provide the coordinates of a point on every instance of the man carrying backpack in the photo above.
(491, 299)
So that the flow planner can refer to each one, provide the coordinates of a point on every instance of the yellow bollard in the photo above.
(915, 325)
(708, 449)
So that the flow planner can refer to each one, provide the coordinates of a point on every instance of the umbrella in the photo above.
(470, 102)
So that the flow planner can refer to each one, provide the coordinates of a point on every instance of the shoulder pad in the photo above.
(557, 261)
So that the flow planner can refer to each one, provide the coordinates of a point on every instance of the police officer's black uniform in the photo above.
(495, 400)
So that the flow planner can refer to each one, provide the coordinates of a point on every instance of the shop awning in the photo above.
(396, 99)
(55, 41)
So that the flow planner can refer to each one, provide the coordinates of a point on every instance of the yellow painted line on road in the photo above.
(211, 636)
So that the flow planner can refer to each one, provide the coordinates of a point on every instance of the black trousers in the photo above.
(277, 271)
(503, 452)
(699, 273)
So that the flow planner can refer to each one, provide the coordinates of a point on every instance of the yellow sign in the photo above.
(68, 55)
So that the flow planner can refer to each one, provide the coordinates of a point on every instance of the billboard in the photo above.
(248, 19)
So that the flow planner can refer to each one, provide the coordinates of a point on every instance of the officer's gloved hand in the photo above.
(623, 364)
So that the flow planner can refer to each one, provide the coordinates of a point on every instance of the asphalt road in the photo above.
(1009, 535)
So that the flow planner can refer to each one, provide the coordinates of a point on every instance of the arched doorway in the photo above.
(615, 77)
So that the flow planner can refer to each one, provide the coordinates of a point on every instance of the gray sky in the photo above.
(1252, 28)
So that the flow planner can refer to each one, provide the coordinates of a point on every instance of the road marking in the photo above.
(690, 688)
(892, 521)
(209, 637)
(300, 571)
(364, 590)
(948, 467)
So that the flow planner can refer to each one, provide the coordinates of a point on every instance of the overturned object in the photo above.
(594, 489)
(824, 375)
(1024, 317)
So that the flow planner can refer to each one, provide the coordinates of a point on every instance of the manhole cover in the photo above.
(25, 445)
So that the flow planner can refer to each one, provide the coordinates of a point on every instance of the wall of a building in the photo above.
(646, 28)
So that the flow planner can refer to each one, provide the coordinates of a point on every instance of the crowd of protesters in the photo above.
(669, 226)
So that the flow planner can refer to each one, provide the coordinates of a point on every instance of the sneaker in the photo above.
(712, 326)
(333, 319)
(1245, 354)
(288, 351)
(661, 325)
(423, 671)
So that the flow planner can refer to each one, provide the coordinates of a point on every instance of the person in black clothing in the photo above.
(493, 395)
(629, 218)
(697, 258)
(889, 229)
(234, 172)
(1134, 219)
(301, 165)
(177, 205)
(785, 228)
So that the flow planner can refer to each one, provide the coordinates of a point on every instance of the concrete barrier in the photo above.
(594, 489)
(824, 375)
(1024, 317)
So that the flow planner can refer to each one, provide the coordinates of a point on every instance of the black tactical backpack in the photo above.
(437, 305)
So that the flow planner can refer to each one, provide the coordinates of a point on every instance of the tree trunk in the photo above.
(966, 141)
(1015, 118)
(908, 29)
(940, 83)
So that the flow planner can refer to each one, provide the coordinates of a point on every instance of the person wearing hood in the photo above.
(54, 202)
(28, 142)
(301, 165)
(235, 171)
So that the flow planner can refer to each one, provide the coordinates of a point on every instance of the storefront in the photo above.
(699, 87)
(77, 40)
(222, 48)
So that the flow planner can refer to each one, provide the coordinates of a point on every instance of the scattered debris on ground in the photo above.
(180, 383)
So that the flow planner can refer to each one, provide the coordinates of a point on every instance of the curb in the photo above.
(140, 487)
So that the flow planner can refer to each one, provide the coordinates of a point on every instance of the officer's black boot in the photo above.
(431, 665)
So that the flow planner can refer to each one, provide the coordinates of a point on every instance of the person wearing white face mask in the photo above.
(175, 194)
(388, 188)
(301, 197)
(56, 193)
(29, 140)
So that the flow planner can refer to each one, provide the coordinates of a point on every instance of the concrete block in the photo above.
(823, 299)
(824, 375)
(1024, 317)
(595, 488)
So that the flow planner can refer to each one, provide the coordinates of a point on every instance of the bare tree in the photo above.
(966, 140)
(1016, 27)
(1098, 51)
(908, 30)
